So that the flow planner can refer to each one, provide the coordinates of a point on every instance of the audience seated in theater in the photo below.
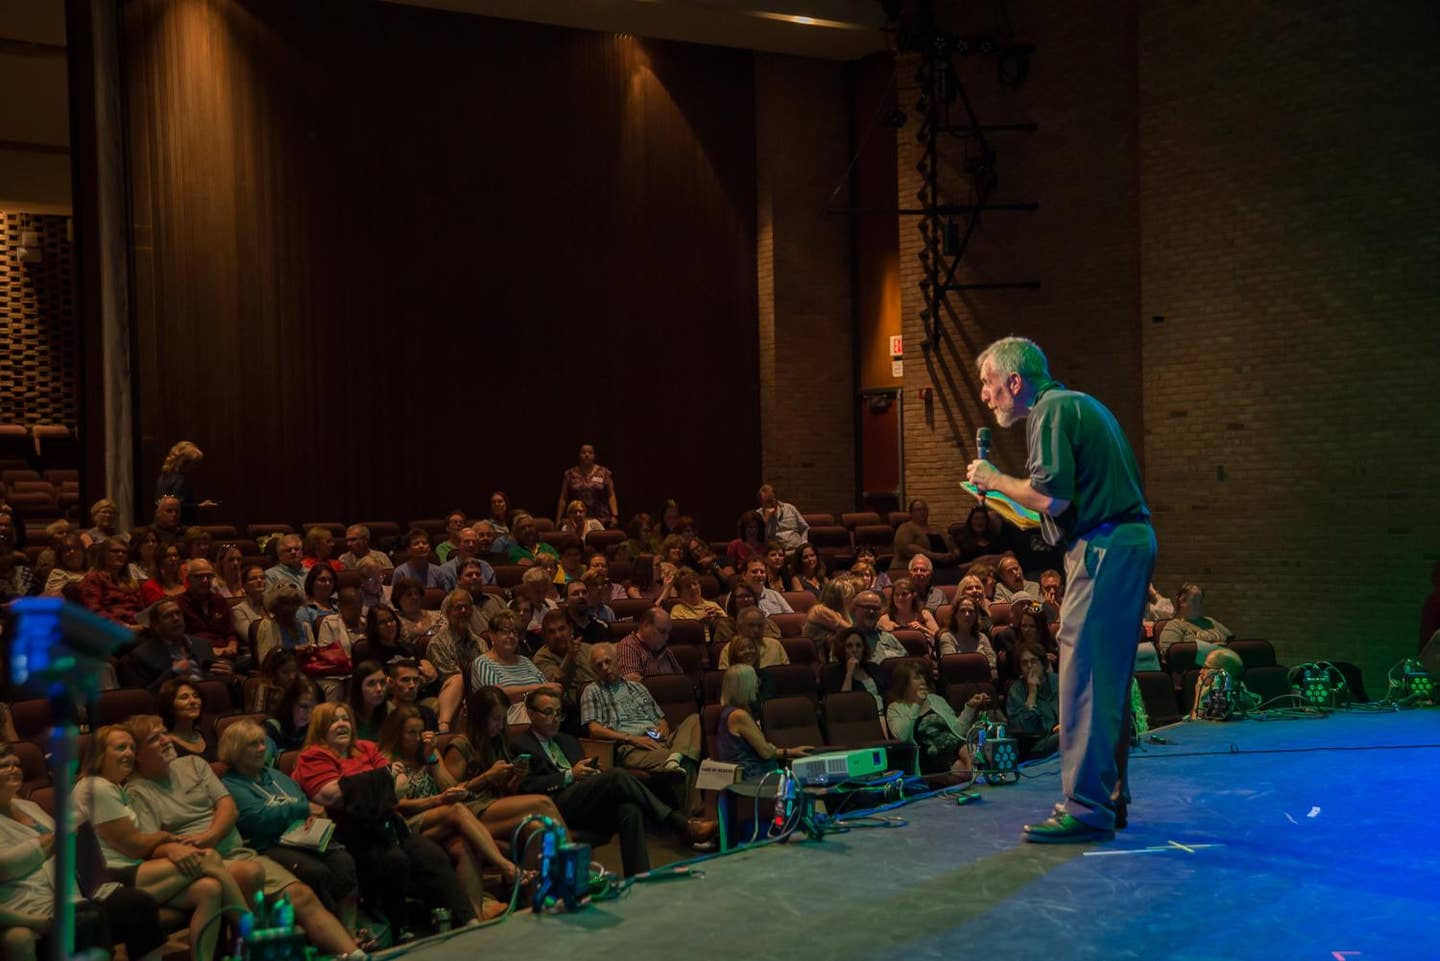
(403, 690)
(166, 651)
(973, 587)
(876, 578)
(229, 565)
(27, 886)
(267, 804)
(44, 562)
(983, 534)
(277, 673)
(11, 532)
(692, 605)
(1158, 607)
(672, 551)
(985, 574)
(863, 573)
(927, 720)
(346, 627)
(1052, 587)
(102, 520)
(565, 661)
(319, 596)
(922, 574)
(70, 567)
(367, 823)
(368, 702)
(181, 704)
(471, 579)
(175, 873)
(432, 805)
(169, 579)
(455, 649)
(637, 540)
(384, 639)
(916, 538)
(880, 645)
(625, 712)
(17, 578)
(527, 546)
(1033, 704)
(209, 617)
(769, 600)
(252, 607)
(906, 612)
(591, 799)
(738, 739)
(290, 566)
(289, 724)
(174, 481)
(480, 760)
(467, 549)
(961, 634)
(742, 595)
(499, 519)
(373, 589)
(749, 540)
(418, 624)
(417, 566)
(702, 560)
(108, 589)
(319, 548)
(503, 666)
(644, 652)
(849, 670)
(1011, 583)
(196, 543)
(358, 547)
(642, 582)
(600, 590)
(750, 626)
(144, 554)
(535, 587)
(777, 573)
(166, 523)
(806, 570)
(577, 522)
(1190, 623)
(1032, 626)
(669, 523)
(571, 564)
(577, 611)
(831, 616)
(455, 522)
(283, 628)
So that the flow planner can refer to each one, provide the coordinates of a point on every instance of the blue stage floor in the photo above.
(1280, 840)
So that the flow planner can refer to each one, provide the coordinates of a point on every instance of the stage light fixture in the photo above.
(1315, 688)
(1415, 683)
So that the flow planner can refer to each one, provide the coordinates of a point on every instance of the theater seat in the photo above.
(1255, 653)
(800, 650)
(221, 723)
(1157, 690)
(791, 625)
(112, 707)
(791, 722)
(630, 608)
(961, 668)
(799, 601)
(792, 680)
(852, 719)
(958, 694)
(819, 519)
(687, 633)
(32, 718)
(675, 693)
(856, 519)
(916, 643)
(1269, 682)
(710, 683)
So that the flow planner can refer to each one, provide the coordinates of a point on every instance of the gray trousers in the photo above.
(1107, 574)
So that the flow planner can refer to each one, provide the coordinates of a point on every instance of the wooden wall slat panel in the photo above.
(401, 257)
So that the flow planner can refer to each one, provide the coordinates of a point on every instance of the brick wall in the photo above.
(807, 406)
(1082, 245)
(1288, 191)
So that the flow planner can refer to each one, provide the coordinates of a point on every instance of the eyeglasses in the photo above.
(548, 711)
(871, 608)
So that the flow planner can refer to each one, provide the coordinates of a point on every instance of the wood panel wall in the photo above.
(388, 259)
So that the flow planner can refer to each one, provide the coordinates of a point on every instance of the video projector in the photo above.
(838, 766)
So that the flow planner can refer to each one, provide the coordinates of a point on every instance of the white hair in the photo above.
(1016, 355)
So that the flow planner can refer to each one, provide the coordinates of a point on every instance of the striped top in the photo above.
(486, 671)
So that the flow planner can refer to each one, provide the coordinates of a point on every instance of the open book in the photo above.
(314, 837)
(1022, 517)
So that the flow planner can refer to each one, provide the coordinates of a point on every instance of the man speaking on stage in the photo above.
(1085, 484)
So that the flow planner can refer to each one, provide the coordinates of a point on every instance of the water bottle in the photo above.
(440, 920)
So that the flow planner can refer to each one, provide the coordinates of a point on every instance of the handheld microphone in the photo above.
(982, 443)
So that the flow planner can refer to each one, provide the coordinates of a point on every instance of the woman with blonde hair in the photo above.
(102, 515)
(172, 481)
(739, 740)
